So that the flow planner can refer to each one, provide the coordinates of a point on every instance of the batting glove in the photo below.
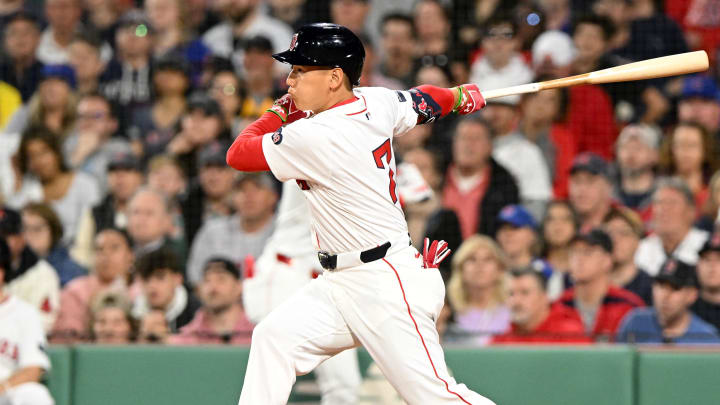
(470, 99)
(435, 253)
(285, 108)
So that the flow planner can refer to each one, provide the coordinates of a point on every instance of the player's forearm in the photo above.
(464, 99)
(246, 153)
(25, 375)
(445, 98)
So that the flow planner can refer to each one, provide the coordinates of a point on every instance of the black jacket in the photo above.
(104, 214)
(501, 191)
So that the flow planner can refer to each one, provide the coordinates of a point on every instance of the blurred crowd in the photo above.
(577, 215)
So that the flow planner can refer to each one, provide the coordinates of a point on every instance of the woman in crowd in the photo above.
(47, 178)
(43, 232)
(52, 107)
(557, 231)
(111, 320)
(226, 89)
(476, 291)
(690, 152)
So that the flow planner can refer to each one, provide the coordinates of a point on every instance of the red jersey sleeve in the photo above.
(246, 153)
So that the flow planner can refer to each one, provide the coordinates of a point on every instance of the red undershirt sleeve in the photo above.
(445, 98)
(246, 153)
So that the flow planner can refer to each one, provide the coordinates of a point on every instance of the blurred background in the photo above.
(583, 221)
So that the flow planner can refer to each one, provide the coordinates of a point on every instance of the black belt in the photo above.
(329, 262)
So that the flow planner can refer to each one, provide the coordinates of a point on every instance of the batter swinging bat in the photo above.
(680, 64)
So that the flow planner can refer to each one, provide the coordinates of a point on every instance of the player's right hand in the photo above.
(285, 108)
(470, 99)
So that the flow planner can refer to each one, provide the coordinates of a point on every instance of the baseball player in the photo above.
(22, 348)
(377, 290)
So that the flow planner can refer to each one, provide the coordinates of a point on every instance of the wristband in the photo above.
(459, 100)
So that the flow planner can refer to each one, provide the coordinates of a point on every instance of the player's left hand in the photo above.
(470, 100)
(435, 253)
(285, 108)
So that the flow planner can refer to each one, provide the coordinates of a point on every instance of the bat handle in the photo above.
(509, 91)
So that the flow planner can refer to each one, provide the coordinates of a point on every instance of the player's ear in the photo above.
(337, 77)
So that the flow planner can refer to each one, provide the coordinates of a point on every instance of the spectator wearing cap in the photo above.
(553, 53)
(477, 187)
(260, 84)
(691, 153)
(161, 276)
(637, 150)
(534, 320)
(707, 306)
(53, 106)
(700, 102)
(42, 231)
(154, 126)
(518, 238)
(242, 234)
(111, 273)
(24, 344)
(25, 275)
(202, 124)
(626, 229)
(210, 195)
(595, 300)
(500, 64)
(20, 67)
(150, 223)
(85, 56)
(243, 20)
(398, 45)
(522, 158)
(63, 22)
(90, 147)
(221, 319)
(590, 189)
(47, 178)
(670, 319)
(673, 216)
(476, 292)
(127, 80)
(111, 320)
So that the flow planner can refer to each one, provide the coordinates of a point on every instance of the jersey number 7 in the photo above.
(385, 150)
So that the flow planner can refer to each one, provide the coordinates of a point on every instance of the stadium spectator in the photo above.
(625, 228)
(47, 178)
(86, 59)
(149, 223)
(600, 305)
(711, 211)
(534, 320)
(52, 107)
(707, 305)
(244, 19)
(154, 126)
(398, 48)
(165, 174)
(242, 234)
(350, 13)
(670, 319)
(63, 22)
(27, 276)
(288, 11)
(553, 53)
(370, 75)
(111, 320)
(477, 187)
(260, 84)
(590, 189)
(153, 328)
(559, 226)
(210, 196)
(673, 215)
(522, 158)
(637, 150)
(221, 318)
(700, 102)
(20, 67)
(432, 25)
(500, 64)
(476, 291)
(518, 238)
(43, 231)
(101, 17)
(543, 123)
(92, 145)
(691, 153)
(23, 347)
(113, 263)
(161, 275)
(226, 88)
(202, 124)
(10, 101)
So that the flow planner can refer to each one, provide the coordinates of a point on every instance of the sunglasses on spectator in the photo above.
(92, 116)
(499, 34)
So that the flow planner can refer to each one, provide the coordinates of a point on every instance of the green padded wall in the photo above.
(59, 379)
(674, 378)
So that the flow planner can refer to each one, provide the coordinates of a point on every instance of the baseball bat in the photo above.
(680, 64)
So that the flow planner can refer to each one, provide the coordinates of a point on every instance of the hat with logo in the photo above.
(677, 273)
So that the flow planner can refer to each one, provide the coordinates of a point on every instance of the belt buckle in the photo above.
(326, 261)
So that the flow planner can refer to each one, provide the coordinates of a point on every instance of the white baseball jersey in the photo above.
(340, 154)
(22, 339)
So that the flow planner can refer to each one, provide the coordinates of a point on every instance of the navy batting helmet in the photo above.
(326, 44)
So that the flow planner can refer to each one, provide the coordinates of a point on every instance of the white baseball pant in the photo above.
(389, 306)
(27, 394)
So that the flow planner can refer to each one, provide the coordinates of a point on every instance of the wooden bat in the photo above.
(680, 64)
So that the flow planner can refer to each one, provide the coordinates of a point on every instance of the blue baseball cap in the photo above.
(62, 72)
(516, 215)
(700, 86)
